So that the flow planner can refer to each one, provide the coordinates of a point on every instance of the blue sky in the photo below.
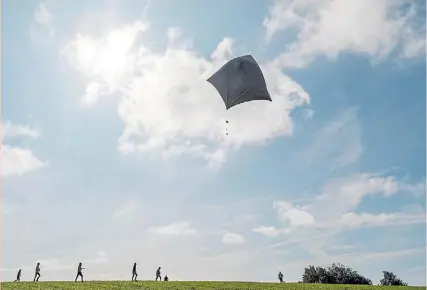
(114, 146)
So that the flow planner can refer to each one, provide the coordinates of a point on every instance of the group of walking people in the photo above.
(80, 273)
(134, 274)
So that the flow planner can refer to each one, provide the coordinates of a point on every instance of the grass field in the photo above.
(149, 285)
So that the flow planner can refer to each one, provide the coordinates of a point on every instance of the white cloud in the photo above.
(44, 17)
(343, 195)
(166, 104)
(267, 231)
(16, 160)
(182, 228)
(10, 130)
(334, 208)
(233, 239)
(358, 220)
(327, 27)
(293, 216)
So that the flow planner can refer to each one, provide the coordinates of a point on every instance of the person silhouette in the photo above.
(79, 272)
(134, 273)
(280, 276)
(37, 274)
(18, 276)
(158, 276)
(166, 278)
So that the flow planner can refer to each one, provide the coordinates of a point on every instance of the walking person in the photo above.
(79, 272)
(158, 276)
(134, 273)
(18, 276)
(37, 274)
(280, 276)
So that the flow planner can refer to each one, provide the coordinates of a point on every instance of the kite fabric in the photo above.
(240, 80)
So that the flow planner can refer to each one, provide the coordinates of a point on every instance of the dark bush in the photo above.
(336, 274)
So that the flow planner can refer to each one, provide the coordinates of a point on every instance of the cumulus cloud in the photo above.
(267, 231)
(291, 215)
(17, 160)
(181, 228)
(166, 104)
(335, 207)
(233, 239)
(10, 130)
(328, 27)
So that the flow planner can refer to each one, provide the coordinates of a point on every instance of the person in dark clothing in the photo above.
(18, 276)
(79, 272)
(280, 276)
(134, 273)
(37, 274)
(158, 276)
(166, 278)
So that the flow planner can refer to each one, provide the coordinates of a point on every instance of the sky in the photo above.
(114, 148)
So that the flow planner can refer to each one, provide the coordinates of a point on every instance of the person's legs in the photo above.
(38, 276)
(81, 275)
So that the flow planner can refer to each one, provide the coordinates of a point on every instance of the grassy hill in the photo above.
(150, 285)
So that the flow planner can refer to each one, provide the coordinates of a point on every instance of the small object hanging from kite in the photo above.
(239, 81)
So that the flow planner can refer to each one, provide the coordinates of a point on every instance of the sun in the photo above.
(108, 57)
(114, 56)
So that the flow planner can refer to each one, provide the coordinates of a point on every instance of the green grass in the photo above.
(150, 285)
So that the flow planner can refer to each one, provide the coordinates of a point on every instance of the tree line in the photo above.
(341, 274)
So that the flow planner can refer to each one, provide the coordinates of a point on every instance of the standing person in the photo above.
(18, 276)
(134, 273)
(280, 276)
(158, 274)
(37, 273)
(79, 272)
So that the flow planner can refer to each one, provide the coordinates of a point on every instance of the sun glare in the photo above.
(113, 56)
(108, 57)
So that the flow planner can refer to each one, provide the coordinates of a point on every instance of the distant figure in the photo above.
(166, 278)
(134, 273)
(79, 272)
(37, 273)
(280, 276)
(158, 274)
(18, 276)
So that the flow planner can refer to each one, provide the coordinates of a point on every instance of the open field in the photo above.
(150, 285)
